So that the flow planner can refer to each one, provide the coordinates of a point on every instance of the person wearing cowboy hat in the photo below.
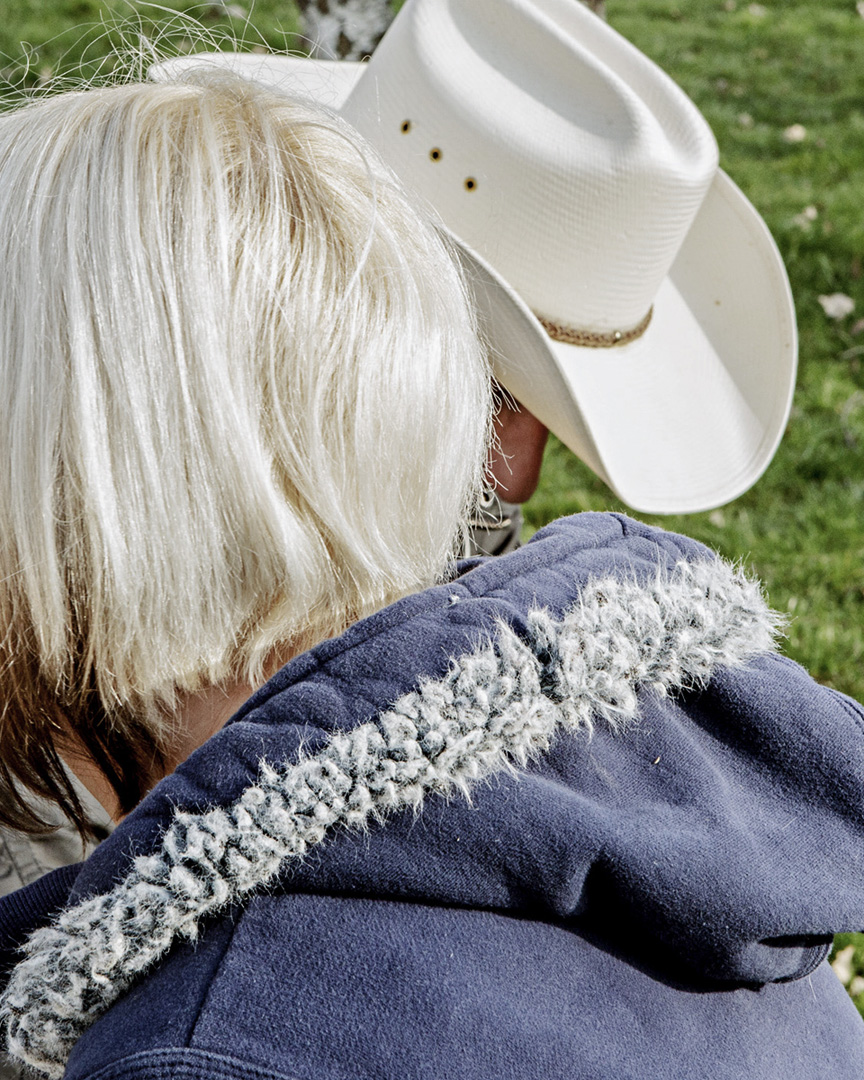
(562, 815)
(634, 300)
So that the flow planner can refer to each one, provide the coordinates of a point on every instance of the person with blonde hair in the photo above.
(222, 328)
(379, 812)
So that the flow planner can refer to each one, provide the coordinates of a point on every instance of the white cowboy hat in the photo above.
(664, 347)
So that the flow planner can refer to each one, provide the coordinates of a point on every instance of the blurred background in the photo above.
(782, 85)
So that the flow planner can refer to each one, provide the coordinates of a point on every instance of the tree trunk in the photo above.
(350, 29)
(344, 29)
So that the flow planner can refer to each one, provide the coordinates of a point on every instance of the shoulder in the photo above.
(592, 609)
(417, 637)
(595, 619)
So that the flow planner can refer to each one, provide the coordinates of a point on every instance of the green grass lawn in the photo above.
(755, 70)
(43, 40)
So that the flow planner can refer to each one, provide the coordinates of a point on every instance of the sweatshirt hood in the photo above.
(597, 731)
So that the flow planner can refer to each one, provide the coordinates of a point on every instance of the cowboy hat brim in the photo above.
(682, 419)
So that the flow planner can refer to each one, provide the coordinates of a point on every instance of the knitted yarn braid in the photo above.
(495, 708)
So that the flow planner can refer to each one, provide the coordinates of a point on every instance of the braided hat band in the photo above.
(595, 339)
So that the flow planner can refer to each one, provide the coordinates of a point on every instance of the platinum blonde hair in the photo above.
(244, 402)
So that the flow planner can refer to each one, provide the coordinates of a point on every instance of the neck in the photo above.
(199, 715)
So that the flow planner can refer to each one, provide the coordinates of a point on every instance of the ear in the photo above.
(516, 454)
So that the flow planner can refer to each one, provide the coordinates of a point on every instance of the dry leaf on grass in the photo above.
(795, 133)
(837, 305)
(806, 218)
(842, 964)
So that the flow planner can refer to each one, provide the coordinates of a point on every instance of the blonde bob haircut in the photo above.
(244, 404)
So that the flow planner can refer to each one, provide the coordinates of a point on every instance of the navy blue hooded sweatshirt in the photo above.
(568, 816)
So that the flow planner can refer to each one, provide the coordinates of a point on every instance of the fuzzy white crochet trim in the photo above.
(497, 706)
